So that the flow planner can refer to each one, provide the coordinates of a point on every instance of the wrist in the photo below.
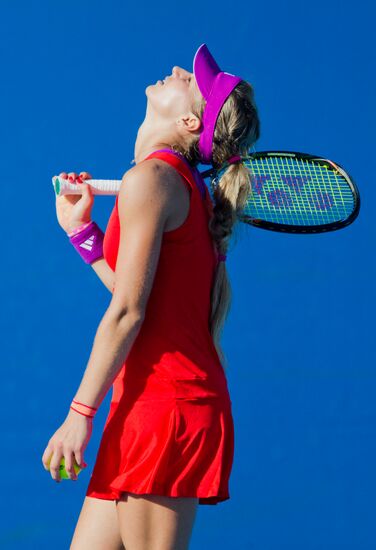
(77, 227)
(83, 410)
(76, 415)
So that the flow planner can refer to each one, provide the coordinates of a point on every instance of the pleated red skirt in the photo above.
(171, 447)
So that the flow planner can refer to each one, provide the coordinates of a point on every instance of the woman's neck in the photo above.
(146, 142)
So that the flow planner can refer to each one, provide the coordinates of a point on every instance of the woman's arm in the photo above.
(105, 273)
(145, 205)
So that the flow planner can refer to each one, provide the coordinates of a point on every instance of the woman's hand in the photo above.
(70, 441)
(75, 210)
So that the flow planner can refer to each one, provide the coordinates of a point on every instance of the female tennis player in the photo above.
(168, 440)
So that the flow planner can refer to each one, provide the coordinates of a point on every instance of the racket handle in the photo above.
(98, 187)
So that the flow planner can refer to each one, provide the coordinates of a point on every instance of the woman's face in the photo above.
(175, 96)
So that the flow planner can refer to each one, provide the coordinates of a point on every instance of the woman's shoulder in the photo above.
(152, 165)
(157, 170)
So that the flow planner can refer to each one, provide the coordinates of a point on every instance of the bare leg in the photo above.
(97, 526)
(153, 522)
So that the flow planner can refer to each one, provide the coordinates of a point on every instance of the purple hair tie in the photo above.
(234, 159)
(231, 160)
(222, 257)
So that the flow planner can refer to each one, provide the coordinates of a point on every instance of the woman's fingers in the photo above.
(46, 457)
(85, 176)
(52, 458)
(69, 461)
(80, 459)
(54, 466)
(73, 177)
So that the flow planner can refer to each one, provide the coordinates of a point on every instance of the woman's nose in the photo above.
(179, 71)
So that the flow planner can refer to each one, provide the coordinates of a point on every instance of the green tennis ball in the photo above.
(63, 472)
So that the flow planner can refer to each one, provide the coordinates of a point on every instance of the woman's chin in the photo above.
(152, 86)
(148, 88)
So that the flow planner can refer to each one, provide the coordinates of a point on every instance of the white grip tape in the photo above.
(99, 187)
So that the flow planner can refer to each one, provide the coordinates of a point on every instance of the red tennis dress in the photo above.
(170, 430)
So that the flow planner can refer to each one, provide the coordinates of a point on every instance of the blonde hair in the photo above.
(237, 129)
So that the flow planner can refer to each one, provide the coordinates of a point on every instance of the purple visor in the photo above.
(215, 86)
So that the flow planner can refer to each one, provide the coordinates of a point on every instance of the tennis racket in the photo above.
(290, 192)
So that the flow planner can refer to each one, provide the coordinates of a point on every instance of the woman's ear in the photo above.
(189, 122)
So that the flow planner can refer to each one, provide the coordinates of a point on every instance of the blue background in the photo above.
(300, 335)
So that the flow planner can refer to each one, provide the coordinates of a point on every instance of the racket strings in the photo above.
(298, 191)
